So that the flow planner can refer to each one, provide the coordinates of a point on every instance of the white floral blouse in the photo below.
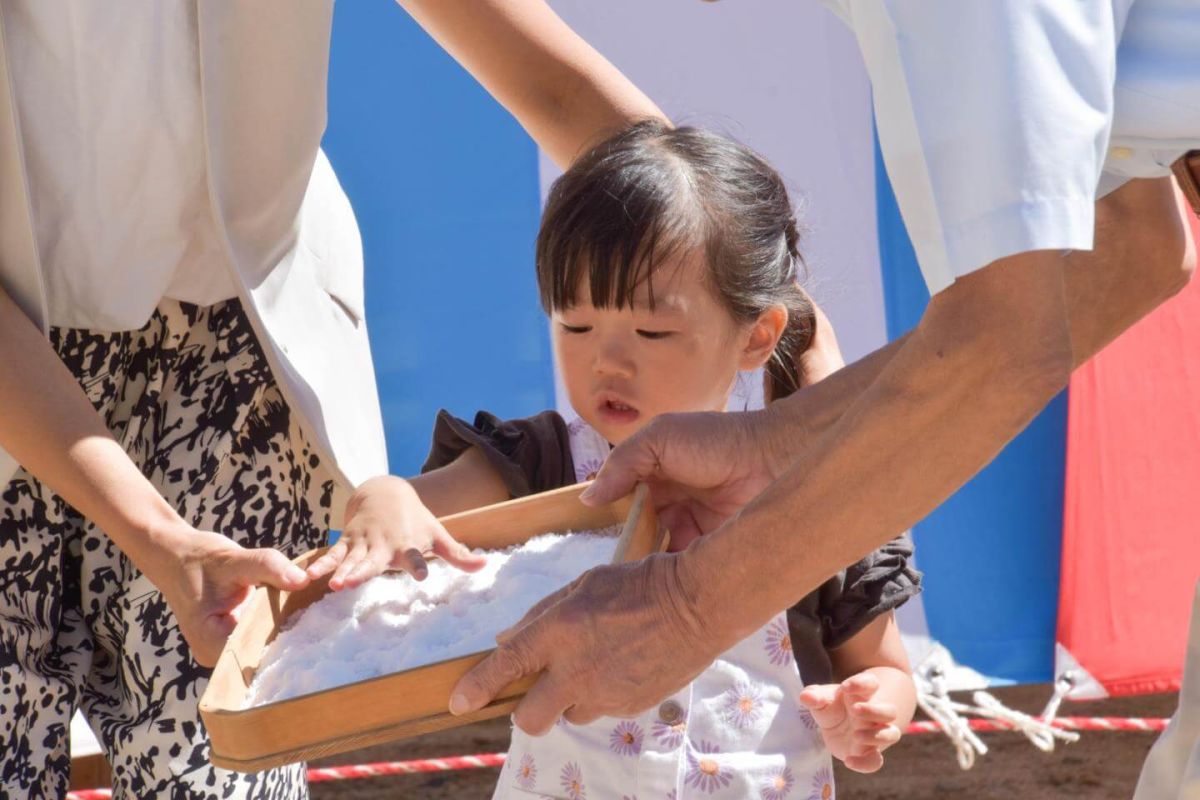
(736, 731)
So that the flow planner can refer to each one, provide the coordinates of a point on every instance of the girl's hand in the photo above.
(387, 527)
(856, 726)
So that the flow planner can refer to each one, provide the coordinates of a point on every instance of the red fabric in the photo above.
(1131, 530)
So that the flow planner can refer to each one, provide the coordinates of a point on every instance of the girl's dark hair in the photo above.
(651, 193)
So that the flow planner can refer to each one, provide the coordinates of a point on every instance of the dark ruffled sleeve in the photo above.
(531, 455)
(882, 581)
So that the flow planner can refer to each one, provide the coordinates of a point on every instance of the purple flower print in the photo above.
(704, 770)
(527, 772)
(806, 717)
(626, 739)
(588, 469)
(822, 785)
(779, 785)
(779, 643)
(742, 704)
(669, 734)
(572, 781)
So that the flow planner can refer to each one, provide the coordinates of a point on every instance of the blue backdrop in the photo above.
(445, 186)
(991, 552)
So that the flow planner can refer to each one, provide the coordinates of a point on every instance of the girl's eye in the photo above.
(575, 328)
(654, 334)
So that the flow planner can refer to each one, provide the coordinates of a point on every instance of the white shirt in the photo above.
(1002, 121)
(110, 110)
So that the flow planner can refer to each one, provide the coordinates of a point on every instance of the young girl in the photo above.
(667, 261)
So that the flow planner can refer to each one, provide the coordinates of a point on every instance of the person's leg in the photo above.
(45, 648)
(209, 427)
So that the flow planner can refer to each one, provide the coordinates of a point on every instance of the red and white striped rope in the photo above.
(452, 763)
(447, 764)
(1066, 723)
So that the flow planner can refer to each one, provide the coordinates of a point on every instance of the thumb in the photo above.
(822, 702)
(633, 461)
(453, 552)
(267, 566)
(514, 659)
(819, 697)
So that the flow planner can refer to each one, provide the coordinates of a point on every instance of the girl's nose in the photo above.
(612, 360)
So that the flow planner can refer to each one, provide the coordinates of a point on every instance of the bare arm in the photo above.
(988, 354)
(564, 93)
(1106, 293)
(467, 482)
(48, 425)
(866, 711)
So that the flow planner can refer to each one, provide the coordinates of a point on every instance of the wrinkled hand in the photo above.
(614, 642)
(209, 579)
(387, 527)
(701, 469)
(857, 727)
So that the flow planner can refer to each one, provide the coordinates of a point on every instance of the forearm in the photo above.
(48, 425)
(467, 483)
(988, 355)
(563, 92)
(1142, 256)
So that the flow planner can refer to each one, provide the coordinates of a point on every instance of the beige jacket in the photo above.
(285, 222)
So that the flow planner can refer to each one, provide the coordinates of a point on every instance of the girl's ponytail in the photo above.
(784, 374)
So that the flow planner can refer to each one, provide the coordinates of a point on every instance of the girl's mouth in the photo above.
(616, 412)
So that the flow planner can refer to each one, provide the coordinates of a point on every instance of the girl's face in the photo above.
(624, 367)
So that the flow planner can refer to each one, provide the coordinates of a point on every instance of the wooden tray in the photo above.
(404, 703)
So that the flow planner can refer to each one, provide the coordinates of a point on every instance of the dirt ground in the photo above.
(1101, 766)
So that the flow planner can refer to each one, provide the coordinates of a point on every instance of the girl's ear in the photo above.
(764, 337)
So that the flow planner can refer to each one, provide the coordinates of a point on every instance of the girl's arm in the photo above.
(48, 425)
(391, 523)
(564, 93)
(865, 714)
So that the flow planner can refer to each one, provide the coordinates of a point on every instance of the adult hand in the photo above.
(209, 578)
(701, 468)
(616, 641)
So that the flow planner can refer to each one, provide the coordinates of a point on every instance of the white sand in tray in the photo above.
(393, 623)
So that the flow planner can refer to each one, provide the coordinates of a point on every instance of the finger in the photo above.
(866, 714)
(375, 562)
(684, 529)
(268, 566)
(632, 461)
(357, 552)
(542, 706)
(819, 696)
(412, 562)
(328, 562)
(520, 656)
(583, 715)
(450, 550)
(210, 641)
(536, 611)
(861, 686)
(877, 738)
(868, 762)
